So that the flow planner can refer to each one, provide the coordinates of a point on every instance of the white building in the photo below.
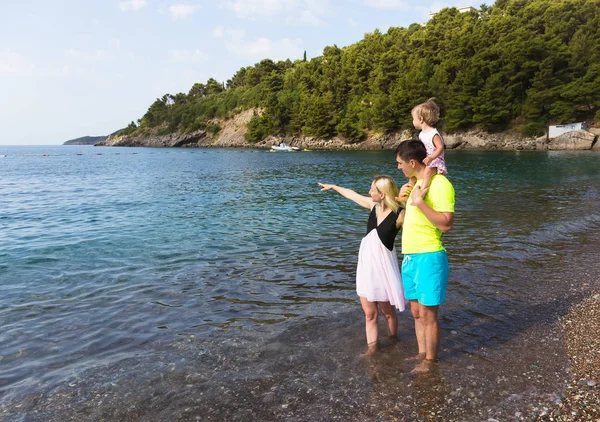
(460, 9)
(557, 130)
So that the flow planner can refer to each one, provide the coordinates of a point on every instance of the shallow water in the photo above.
(184, 283)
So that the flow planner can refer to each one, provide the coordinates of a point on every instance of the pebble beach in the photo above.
(582, 397)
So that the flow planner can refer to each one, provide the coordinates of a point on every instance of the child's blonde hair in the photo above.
(429, 111)
(387, 186)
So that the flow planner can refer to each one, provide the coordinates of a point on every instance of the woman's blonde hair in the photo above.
(387, 186)
(429, 111)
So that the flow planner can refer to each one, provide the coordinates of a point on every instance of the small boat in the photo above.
(2, 155)
(284, 147)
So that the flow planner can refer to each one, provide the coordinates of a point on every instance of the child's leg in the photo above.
(427, 175)
(371, 314)
(389, 312)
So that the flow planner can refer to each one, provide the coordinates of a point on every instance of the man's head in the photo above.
(409, 156)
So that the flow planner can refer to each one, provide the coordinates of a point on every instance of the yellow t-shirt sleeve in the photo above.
(441, 194)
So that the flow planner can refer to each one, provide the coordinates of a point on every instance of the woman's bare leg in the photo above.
(389, 312)
(371, 314)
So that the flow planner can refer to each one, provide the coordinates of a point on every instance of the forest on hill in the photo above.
(517, 65)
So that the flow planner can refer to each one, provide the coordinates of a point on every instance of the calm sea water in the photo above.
(201, 280)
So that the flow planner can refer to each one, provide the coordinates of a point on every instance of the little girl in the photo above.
(425, 116)
(378, 281)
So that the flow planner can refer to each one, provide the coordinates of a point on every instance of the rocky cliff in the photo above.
(233, 130)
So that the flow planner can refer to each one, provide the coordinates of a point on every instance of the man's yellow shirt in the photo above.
(419, 235)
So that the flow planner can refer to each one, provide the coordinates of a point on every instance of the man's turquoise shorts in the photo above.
(425, 277)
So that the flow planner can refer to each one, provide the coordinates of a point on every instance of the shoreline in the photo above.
(333, 148)
(233, 131)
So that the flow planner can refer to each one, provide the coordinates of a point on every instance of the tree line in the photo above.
(517, 65)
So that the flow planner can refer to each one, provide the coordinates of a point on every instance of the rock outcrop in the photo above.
(172, 140)
(574, 140)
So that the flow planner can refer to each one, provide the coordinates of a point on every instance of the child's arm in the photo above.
(363, 201)
(441, 220)
(439, 148)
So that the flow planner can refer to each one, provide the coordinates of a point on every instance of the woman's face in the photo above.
(376, 196)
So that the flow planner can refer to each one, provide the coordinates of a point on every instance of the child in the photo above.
(378, 281)
(425, 116)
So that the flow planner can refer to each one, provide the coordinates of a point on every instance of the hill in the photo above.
(517, 66)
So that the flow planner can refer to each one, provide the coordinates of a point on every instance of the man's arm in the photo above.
(441, 220)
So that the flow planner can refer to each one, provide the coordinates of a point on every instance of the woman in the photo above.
(378, 281)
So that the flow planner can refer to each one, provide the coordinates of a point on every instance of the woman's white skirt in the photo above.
(378, 275)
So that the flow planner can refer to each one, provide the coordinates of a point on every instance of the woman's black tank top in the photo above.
(387, 230)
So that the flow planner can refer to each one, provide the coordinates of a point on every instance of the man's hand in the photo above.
(418, 195)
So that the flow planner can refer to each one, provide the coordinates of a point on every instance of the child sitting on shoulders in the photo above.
(425, 116)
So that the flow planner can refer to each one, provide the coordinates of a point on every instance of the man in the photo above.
(425, 263)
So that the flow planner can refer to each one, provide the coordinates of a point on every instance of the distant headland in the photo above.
(86, 140)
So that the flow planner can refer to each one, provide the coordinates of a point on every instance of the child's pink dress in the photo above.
(427, 139)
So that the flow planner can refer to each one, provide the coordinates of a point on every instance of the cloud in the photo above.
(187, 56)
(434, 7)
(181, 10)
(132, 5)
(387, 4)
(88, 56)
(303, 12)
(352, 22)
(260, 47)
(310, 12)
(266, 48)
(218, 31)
(231, 34)
(248, 9)
(11, 62)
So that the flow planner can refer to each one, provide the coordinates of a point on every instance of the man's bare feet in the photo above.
(371, 350)
(423, 367)
(418, 357)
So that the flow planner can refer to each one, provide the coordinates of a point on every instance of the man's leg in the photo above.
(431, 329)
(415, 309)
(431, 326)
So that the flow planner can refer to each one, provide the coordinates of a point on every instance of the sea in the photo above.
(219, 285)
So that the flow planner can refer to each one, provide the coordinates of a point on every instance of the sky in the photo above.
(72, 68)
